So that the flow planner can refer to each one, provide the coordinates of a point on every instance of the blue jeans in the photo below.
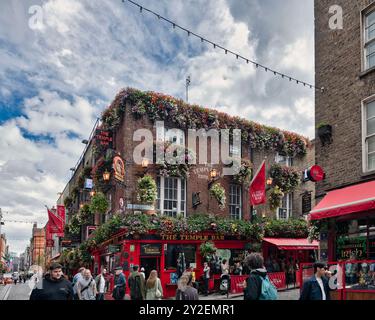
(100, 296)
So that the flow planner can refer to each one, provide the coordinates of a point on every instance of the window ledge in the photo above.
(366, 72)
(368, 173)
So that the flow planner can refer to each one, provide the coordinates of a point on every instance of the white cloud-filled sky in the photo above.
(55, 80)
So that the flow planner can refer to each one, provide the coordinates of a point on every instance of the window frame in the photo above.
(289, 207)
(161, 199)
(364, 42)
(288, 159)
(231, 204)
(365, 137)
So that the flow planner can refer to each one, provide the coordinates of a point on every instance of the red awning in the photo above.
(358, 198)
(293, 244)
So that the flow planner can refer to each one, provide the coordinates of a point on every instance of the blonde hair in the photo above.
(152, 279)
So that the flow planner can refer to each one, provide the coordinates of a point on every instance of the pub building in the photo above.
(345, 148)
(347, 238)
(180, 192)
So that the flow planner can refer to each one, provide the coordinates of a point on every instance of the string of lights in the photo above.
(226, 50)
(18, 221)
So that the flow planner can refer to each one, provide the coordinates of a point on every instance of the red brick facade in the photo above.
(338, 60)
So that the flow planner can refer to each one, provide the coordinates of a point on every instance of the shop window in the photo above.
(369, 38)
(284, 160)
(235, 201)
(285, 211)
(171, 196)
(175, 251)
(369, 134)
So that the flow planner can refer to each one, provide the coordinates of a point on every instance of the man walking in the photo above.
(206, 277)
(101, 284)
(54, 286)
(86, 287)
(317, 288)
(137, 285)
(120, 285)
(77, 277)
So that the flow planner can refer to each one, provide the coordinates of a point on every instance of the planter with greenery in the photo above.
(275, 197)
(146, 190)
(218, 192)
(324, 133)
(286, 178)
(99, 203)
(158, 106)
(291, 228)
(207, 250)
(244, 175)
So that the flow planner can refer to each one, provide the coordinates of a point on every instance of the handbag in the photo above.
(157, 293)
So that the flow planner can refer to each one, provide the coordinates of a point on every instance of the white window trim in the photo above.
(288, 159)
(240, 205)
(289, 207)
(369, 9)
(161, 200)
(364, 104)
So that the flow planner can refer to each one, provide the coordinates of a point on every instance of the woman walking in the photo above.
(154, 290)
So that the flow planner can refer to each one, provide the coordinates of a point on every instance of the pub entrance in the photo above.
(150, 263)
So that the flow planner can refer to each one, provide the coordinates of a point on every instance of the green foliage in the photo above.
(292, 228)
(218, 192)
(99, 203)
(146, 190)
(244, 175)
(158, 106)
(207, 249)
(275, 197)
(286, 178)
(68, 202)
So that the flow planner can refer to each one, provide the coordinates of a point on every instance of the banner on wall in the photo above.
(257, 190)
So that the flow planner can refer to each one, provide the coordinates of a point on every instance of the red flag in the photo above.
(257, 191)
(61, 213)
(55, 224)
(49, 240)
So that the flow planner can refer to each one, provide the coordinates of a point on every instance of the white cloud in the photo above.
(68, 71)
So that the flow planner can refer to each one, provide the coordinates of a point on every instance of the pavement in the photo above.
(20, 291)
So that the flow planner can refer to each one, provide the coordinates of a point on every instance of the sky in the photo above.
(59, 70)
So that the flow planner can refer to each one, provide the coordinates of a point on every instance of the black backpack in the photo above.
(136, 289)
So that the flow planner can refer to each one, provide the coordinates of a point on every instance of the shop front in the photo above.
(283, 257)
(171, 255)
(347, 218)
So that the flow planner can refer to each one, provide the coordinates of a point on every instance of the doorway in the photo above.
(150, 263)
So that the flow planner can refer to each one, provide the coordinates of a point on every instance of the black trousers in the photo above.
(206, 281)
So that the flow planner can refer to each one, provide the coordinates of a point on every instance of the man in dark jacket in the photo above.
(54, 286)
(253, 284)
(317, 288)
(120, 285)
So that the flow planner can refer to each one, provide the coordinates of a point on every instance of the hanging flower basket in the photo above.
(218, 192)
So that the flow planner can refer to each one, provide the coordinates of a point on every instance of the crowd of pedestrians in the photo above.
(56, 286)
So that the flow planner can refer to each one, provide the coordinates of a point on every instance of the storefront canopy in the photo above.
(292, 244)
(360, 197)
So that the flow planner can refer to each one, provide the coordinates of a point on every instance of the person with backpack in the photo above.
(101, 284)
(119, 288)
(137, 285)
(258, 286)
(154, 289)
(185, 289)
(317, 288)
(86, 287)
